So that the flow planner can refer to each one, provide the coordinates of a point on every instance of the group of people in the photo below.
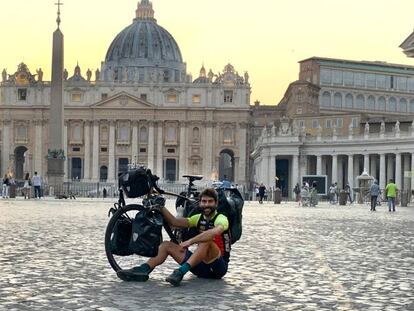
(35, 181)
(390, 193)
(260, 192)
(306, 195)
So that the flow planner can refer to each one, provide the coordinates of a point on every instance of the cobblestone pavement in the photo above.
(289, 258)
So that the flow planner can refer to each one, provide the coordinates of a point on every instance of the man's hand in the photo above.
(186, 244)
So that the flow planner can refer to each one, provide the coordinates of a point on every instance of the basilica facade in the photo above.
(141, 106)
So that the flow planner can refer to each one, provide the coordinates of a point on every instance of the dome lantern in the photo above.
(145, 11)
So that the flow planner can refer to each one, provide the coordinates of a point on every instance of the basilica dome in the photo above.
(144, 51)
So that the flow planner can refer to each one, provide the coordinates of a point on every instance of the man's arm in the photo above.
(205, 236)
(174, 221)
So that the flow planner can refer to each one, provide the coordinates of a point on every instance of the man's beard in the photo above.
(208, 211)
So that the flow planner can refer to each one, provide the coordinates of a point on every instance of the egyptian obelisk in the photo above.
(56, 156)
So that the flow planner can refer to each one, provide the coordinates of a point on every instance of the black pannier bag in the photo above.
(146, 234)
(232, 207)
(121, 236)
(134, 183)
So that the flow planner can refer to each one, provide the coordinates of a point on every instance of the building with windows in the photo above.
(340, 118)
(141, 106)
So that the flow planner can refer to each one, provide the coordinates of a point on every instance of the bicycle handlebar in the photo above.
(154, 178)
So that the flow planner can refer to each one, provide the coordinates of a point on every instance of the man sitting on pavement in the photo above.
(211, 257)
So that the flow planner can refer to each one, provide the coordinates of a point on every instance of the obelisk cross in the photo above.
(58, 13)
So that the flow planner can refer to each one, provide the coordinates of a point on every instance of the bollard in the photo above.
(343, 196)
(277, 196)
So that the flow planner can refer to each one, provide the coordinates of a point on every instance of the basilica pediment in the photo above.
(123, 100)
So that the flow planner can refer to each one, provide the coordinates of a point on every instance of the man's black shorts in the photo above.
(215, 270)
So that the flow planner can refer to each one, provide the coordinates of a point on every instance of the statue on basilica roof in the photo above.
(39, 75)
(97, 74)
(88, 75)
(65, 74)
(4, 75)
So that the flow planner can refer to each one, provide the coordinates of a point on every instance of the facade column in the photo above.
(366, 163)
(390, 167)
(318, 165)
(242, 154)
(334, 168)
(160, 144)
(208, 149)
(351, 170)
(5, 150)
(295, 174)
(151, 146)
(382, 171)
(134, 143)
(65, 150)
(95, 151)
(111, 152)
(398, 180)
(182, 165)
(87, 151)
(38, 144)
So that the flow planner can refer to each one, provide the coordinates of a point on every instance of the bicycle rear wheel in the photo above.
(123, 214)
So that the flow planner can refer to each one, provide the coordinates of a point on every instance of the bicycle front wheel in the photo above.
(120, 258)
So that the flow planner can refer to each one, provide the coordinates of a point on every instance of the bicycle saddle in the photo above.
(193, 177)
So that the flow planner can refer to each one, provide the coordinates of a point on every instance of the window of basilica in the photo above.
(227, 135)
(143, 134)
(228, 96)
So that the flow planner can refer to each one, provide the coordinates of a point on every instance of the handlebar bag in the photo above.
(135, 183)
(146, 234)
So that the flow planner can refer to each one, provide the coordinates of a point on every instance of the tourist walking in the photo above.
(348, 193)
(26, 187)
(391, 193)
(332, 194)
(296, 190)
(6, 186)
(262, 190)
(37, 183)
(374, 191)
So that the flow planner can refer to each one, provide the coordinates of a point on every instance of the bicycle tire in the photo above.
(120, 262)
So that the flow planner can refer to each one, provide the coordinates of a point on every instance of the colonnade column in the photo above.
(318, 165)
(406, 168)
(111, 152)
(271, 171)
(182, 165)
(351, 170)
(65, 150)
(373, 166)
(398, 180)
(95, 152)
(390, 167)
(412, 171)
(151, 147)
(366, 163)
(334, 168)
(160, 143)
(303, 166)
(87, 150)
(382, 171)
(242, 154)
(295, 173)
(134, 143)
